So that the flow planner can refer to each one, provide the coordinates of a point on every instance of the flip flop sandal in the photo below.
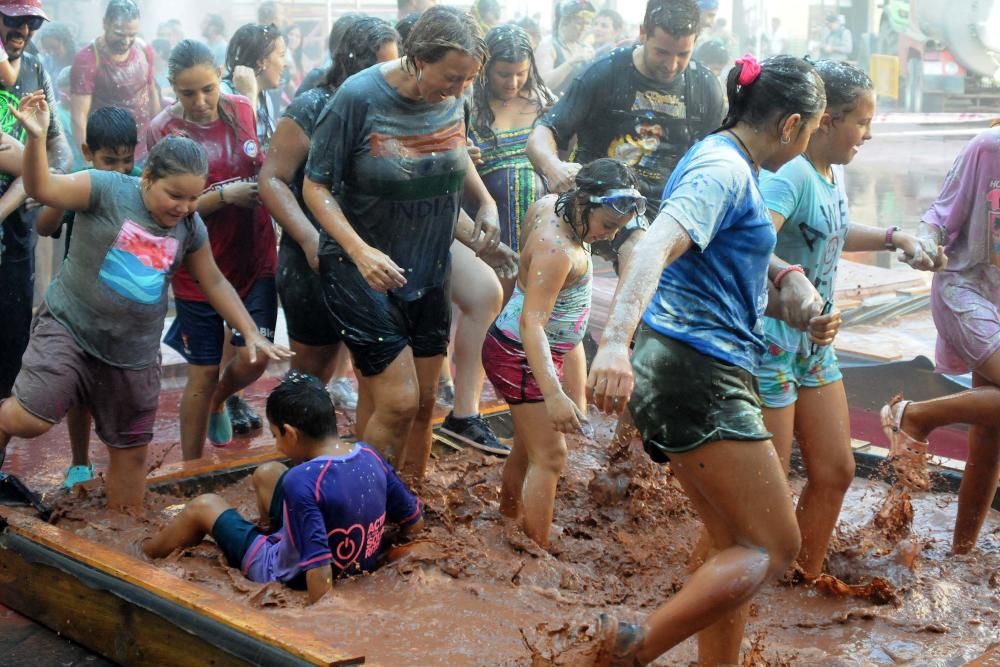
(907, 454)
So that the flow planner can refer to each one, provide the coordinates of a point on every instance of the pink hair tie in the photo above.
(750, 70)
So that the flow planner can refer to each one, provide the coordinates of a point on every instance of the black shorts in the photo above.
(684, 399)
(376, 327)
(301, 293)
(235, 535)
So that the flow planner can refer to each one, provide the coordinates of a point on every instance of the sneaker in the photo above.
(343, 394)
(446, 392)
(220, 428)
(475, 432)
(78, 475)
(243, 418)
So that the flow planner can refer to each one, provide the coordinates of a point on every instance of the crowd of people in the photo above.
(455, 164)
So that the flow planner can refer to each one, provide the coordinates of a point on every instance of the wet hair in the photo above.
(250, 44)
(111, 128)
(174, 155)
(530, 26)
(594, 178)
(216, 23)
(441, 29)
(359, 47)
(404, 26)
(302, 401)
(786, 85)
(844, 84)
(191, 53)
(338, 29)
(507, 43)
(678, 18)
(617, 22)
(712, 52)
(121, 11)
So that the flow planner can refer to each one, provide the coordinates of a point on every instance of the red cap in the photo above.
(22, 8)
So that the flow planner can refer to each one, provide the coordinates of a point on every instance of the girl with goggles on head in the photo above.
(545, 318)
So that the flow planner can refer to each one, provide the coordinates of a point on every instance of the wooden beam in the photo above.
(49, 574)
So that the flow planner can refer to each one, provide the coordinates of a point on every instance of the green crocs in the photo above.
(78, 475)
(220, 428)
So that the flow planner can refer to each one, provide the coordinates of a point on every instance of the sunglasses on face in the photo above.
(33, 22)
(622, 202)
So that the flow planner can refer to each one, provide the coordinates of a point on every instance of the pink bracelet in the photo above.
(792, 268)
(889, 245)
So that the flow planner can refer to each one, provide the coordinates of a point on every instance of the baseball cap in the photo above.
(23, 8)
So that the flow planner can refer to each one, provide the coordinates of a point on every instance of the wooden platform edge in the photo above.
(85, 568)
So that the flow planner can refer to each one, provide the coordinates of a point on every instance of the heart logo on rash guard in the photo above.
(346, 545)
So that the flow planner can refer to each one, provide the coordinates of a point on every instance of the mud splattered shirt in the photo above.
(713, 296)
(615, 111)
(334, 514)
(112, 83)
(397, 168)
(968, 208)
(111, 291)
(243, 240)
(816, 223)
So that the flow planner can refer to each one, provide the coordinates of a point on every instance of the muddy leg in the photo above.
(188, 528)
(265, 480)
(514, 469)
(546, 453)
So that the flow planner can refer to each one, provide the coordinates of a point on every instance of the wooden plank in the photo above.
(164, 585)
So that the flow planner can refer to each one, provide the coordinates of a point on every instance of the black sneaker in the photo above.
(474, 432)
(242, 416)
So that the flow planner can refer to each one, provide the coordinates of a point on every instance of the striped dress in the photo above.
(509, 177)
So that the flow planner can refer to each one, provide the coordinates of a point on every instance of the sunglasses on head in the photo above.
(623, 201)
(33, 22)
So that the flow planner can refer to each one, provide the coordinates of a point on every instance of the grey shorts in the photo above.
(56, 375)
(684, 399)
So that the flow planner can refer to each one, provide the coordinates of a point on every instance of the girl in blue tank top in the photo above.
(546, 318)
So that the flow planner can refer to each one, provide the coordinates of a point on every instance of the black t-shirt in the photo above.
(305, 110)
(17, 234)
(615, 111)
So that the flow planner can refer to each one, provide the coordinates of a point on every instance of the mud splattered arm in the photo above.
(610, 382)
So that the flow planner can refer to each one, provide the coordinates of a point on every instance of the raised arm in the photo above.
(71, 192)
(543, 152)
(277, 175)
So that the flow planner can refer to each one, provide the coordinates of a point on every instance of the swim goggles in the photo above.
(622, 201)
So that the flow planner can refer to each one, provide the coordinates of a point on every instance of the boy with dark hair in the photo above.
(110, 145)
(327, 514)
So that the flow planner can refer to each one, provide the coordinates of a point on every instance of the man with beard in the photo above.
(115, 71)
(644, 105)
(19, 20)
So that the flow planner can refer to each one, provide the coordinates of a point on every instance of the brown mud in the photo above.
(473, 590)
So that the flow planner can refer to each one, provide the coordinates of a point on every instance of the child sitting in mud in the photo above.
(545, 318)
(327, 515)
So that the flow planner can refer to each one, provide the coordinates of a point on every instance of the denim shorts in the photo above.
(781, 373)
(684, 399)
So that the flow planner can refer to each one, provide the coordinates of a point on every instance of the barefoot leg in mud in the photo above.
(514, 470)
(819, 418)
(980, 408)
(188, 528)
(545, 451)
(417, 448)
(754, 538)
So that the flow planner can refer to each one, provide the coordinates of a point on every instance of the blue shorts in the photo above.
(198, 332)
(781, 373)
(235, 535)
